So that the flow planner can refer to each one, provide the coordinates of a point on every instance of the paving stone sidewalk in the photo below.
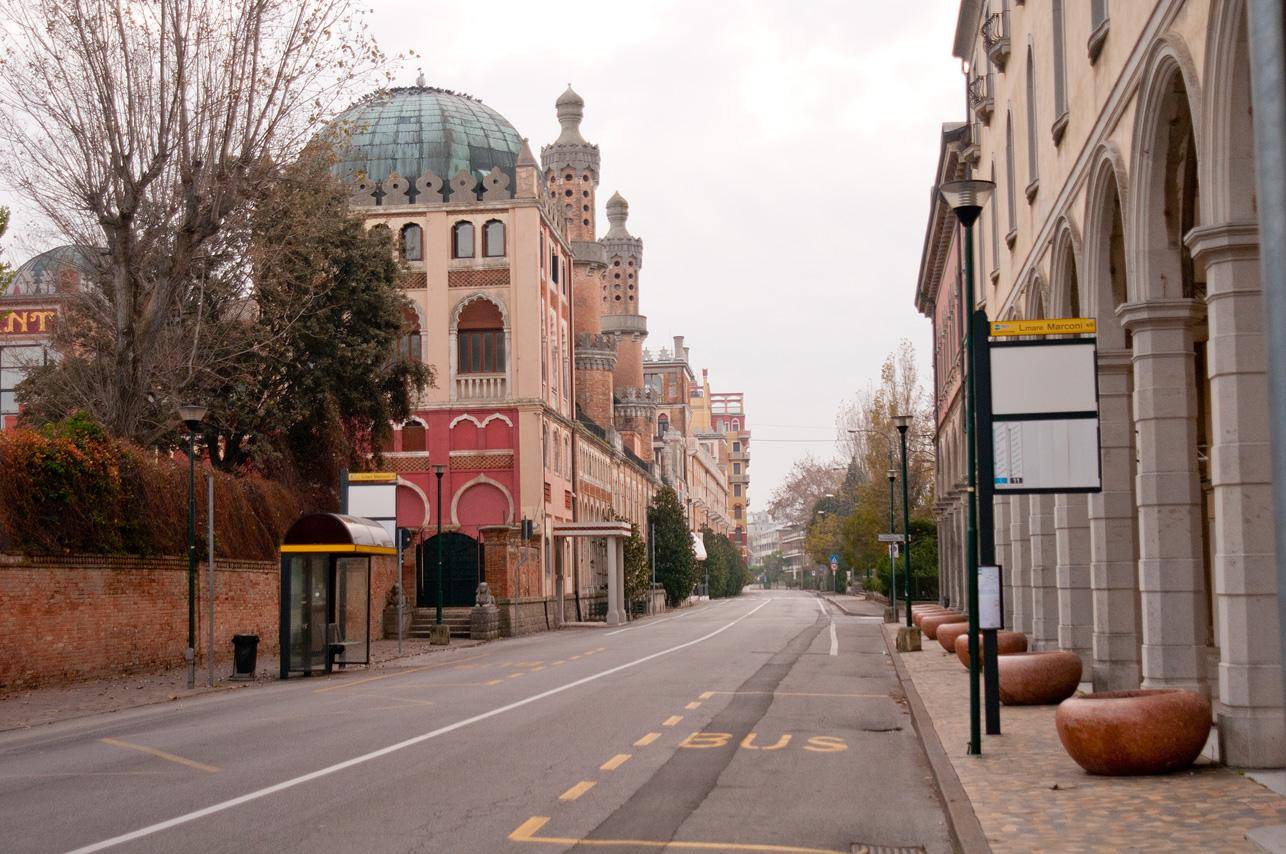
(1029, 795)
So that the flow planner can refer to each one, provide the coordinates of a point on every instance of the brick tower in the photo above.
(623, 253)
(571, 175)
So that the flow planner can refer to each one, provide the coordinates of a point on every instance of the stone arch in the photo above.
(1104, 262)
(1065, 291)
(463, 303)
(1035, 304)
(407, 494)
(453, 334)
(1228, 137)
(1169, 95)
(482, 480)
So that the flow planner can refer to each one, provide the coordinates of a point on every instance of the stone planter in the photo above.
(1007, 643)
(948, 632)
(1038, 678)
(929, 625)
(918, 617)
(1134, 732)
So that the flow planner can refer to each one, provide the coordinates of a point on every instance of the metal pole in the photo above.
(398, 532)
(209, 561)
(1268, 95)
(438, 618)
(980, 368)
(906, 532)
(191, 650)
(967, 218)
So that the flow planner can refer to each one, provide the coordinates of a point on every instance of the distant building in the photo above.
(765, 536)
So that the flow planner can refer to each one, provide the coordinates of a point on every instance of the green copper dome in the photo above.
(414, 129)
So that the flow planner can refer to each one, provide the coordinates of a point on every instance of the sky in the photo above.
(778, 158)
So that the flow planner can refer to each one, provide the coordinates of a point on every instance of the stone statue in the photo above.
(484, 596)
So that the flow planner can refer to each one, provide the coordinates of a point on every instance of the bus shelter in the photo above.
(326, 591)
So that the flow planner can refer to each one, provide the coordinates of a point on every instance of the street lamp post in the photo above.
(893, 587)
(967, 198)
(438, 471)
(192, 415)
(902, 422)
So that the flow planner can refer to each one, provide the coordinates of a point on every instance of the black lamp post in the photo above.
(192, 415)
(967, 198)
(438, 471)
(902, 422)
(893, 475)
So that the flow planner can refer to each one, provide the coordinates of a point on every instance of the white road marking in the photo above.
(820, 606)
(644, 626)
(834, 640)
(393, 748)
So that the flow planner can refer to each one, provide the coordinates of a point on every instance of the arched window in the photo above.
(480, 338)
(462, 239)
(414, 436)
(412, 242)
(995, 227)
(1060, 69)
(1009, 173)
(662, 424)
(493, 239)
(410, 343)
(1033, 172)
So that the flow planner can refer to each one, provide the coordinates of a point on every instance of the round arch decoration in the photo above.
(480, 480)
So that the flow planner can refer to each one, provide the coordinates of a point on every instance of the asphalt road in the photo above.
(768, 723)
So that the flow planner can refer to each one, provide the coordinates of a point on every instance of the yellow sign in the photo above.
(1056, 326)
(372, 477)
(27, 321)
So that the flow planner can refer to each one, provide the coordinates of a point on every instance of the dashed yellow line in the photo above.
(353, 683)
(514, 675)
(695, 704)
(576, 791)
(615, 762)
(647, 739)
(161, 754)
(526, 832)
(560, 661)
(672, 720)
(706, 695)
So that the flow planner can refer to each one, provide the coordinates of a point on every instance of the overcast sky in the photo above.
(777, 157)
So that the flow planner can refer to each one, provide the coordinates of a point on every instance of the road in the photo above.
(770, 723)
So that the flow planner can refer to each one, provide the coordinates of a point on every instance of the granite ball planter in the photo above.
(1007, 643)
(929, 625)
(1119, 733)
(1038, 678)
(919, 617)
(948, 632)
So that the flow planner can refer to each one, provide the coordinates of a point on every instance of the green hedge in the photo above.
(70, 489)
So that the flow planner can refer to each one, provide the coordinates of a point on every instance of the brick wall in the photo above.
(594, 394)
(73, 617)
(493, 277)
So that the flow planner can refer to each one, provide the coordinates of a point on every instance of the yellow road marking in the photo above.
(695, 704)
(615, 762)
(576, 791)
(526, 832)
(493, 682)
(406, 700)
(355, 682)
(801, 694)
(647, 739)
(161, 754)
(541, 667)
(672, 720)
(573, 657)
(514, 675)
(706, 695)
(560, 661)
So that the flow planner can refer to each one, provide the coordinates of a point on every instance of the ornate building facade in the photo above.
(1119, 136)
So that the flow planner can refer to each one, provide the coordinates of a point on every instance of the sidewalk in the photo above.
(22, 709)
(1028, 795)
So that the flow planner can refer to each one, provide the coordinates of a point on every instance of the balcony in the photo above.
(480, 387)
(981, 97)
(624, 324)
(995, 37)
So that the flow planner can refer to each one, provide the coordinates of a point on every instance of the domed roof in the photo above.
(414, 129)
(57, 271)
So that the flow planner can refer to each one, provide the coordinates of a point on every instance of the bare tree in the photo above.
(808, 482)
(140, 129)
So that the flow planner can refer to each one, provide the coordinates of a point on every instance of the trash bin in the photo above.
(245, 651)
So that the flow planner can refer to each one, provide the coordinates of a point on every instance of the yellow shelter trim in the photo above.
(330, 548)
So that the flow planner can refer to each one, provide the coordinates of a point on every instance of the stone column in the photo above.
(1044, 569)
(1002, 558)
(1113, 549)
(1252, 727)
(1171, 563)
(1075, 605)
(1020, 556)
(962, 552)
(614, 615)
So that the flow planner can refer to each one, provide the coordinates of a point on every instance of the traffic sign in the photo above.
(1055, 326)
(890, 538)
(372, 476)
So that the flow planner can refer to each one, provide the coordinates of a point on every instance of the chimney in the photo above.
(680, 353)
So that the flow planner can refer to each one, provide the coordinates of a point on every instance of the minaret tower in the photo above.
(570, 167)
(635, 404)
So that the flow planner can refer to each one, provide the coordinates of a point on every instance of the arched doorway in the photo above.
(462, 570)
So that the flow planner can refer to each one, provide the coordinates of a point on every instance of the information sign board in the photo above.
(1052, 326)
(989, 616)
(890, 538)
(1054, 455)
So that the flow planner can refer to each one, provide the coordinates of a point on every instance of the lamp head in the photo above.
(902, 422)
(439, 470)
(893, 475)
(967, 198)
(192, 415)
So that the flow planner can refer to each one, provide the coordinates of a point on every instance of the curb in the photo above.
(966, 831)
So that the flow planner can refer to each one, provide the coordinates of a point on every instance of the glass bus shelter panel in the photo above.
(307, 612)
(352, 638)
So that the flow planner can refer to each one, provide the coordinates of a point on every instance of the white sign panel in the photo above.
(1055, 454)
(1046, 379)
(989, 597)
(375, 501)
